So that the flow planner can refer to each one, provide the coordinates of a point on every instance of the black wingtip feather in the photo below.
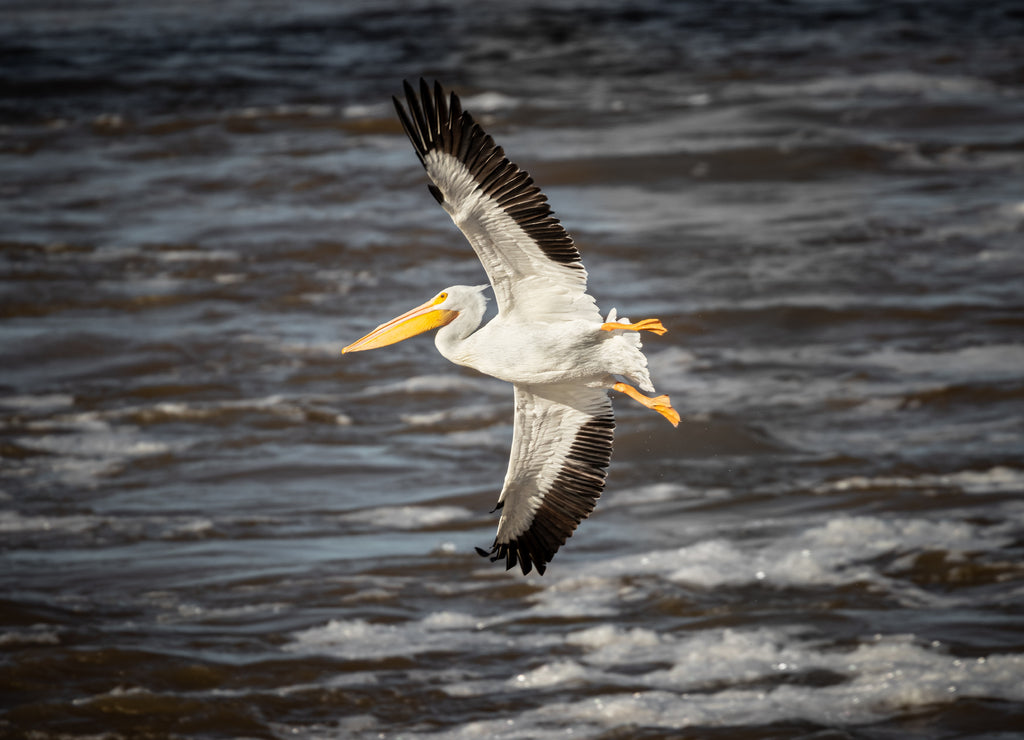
(433, 125)
(569, 500)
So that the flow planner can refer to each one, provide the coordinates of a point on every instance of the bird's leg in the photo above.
(661, 404)
(645, 325)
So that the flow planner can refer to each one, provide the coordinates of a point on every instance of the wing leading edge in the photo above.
(529, 257)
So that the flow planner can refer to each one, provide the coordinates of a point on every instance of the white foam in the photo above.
(367, 110)
(284, 110)
(650, 494)
(42, 402)
(229, 278)
(85, 447)
(458, 414)
(608, 636)
(550, 674)
(901, 83)
(999, 479)
(87, 434)
(38, 635)
(451, 621)
(296, 410)
(878, 679)
(190, 528)
(980, 361)
(123, 694)
(839, 550)
(409, 517)
(354, 639)
(197, 255)
(12, 522)
(190, 611)
(488, 102)
(438, 384)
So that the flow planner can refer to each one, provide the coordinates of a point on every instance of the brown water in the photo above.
(213, 525)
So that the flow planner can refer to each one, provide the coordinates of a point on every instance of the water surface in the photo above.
(216, 526)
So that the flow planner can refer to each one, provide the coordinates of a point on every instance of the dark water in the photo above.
(213, 525)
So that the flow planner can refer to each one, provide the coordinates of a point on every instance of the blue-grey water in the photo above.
(215, 526)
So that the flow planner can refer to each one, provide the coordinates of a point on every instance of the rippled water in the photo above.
(213, 525)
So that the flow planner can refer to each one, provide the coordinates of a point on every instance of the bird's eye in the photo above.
(442, 297)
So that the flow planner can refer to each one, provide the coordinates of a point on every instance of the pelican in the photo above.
(548, 338)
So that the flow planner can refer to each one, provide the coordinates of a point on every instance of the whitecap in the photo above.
(998, 479)
(992, 361)
(881, 678)
(838, 550)
(438, 384)
(38, 635)
(408, 517)
(197, 255)
(550, 674)
(13, 522)
(354, 639)
(488, 102)
(897, 83)
(85, 447)
(607, 636)
(458, 414)
(35, 403)
(650, 494)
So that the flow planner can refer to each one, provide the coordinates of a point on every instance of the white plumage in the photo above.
(548, 338)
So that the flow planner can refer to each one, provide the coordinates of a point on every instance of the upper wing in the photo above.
(530, 260)
(561, 446)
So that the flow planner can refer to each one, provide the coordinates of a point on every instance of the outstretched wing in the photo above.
(530, 259)
(561, 447)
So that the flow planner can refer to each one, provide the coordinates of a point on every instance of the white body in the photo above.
(531, 352)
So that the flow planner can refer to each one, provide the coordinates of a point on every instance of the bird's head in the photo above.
(439, 311)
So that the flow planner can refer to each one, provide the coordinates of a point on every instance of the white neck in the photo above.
(450, 339)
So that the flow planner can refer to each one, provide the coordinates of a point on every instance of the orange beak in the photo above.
(418, 320)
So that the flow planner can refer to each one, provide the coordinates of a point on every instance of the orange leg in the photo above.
(661, 404)
(645, 325)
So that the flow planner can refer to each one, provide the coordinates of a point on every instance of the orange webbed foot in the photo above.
(653, 325)
(661, 404)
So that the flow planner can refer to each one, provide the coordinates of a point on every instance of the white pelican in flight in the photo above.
(548, 339)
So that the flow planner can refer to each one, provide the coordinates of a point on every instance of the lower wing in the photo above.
(561, 448)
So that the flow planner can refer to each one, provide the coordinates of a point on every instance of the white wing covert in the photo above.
(530, 259)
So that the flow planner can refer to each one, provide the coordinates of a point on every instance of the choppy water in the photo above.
(213, 525)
